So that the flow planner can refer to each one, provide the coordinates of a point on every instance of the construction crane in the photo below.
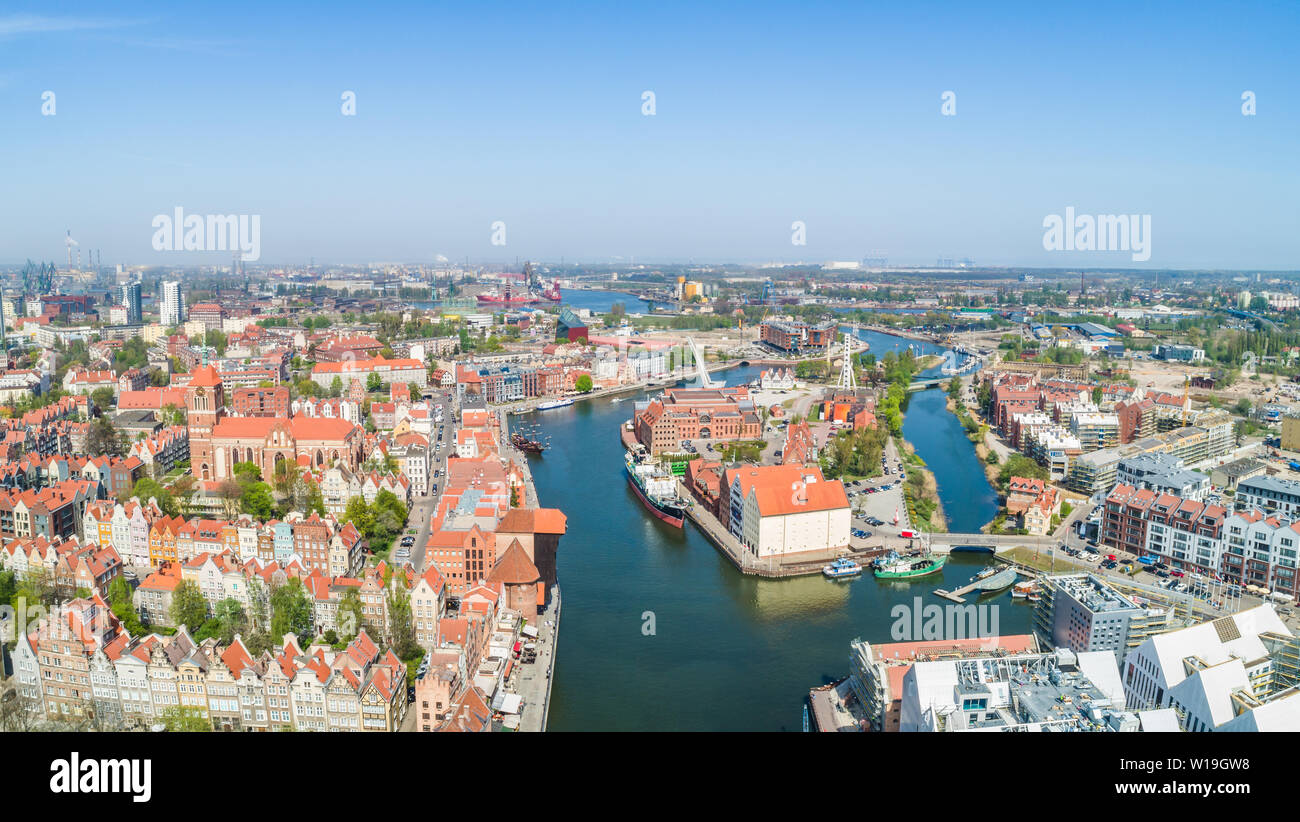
(1187, 400)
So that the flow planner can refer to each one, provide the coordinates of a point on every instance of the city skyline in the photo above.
(832, 116)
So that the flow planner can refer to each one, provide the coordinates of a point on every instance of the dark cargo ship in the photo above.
(657, 488)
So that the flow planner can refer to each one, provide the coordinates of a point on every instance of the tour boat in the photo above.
(549, 404)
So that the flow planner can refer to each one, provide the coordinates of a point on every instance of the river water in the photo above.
(660, 632)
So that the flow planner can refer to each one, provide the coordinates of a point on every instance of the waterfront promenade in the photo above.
(532, 681)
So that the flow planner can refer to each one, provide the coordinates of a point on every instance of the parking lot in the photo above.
(874, 502)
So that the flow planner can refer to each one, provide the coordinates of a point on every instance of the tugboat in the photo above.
(841, 569)
(897, 567)
(657, 488)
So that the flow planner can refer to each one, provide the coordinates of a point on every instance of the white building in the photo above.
(1060, 691)
(172, 307)
(785, 510)
(1229, 658)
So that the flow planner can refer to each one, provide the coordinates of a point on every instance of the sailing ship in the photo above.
(523, 443)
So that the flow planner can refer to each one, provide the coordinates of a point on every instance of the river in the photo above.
(660, 632)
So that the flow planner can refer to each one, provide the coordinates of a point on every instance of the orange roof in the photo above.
(514, 567)
(778, 500)
(205, 376)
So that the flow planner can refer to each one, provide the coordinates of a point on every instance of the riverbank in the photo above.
(530, 405)
(895, 332)
(981, 448)
(936, 520)
(927, 362)
(651, 610)
(533, 681)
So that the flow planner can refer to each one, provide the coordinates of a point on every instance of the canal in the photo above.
(659, 632)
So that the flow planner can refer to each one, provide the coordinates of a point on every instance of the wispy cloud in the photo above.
(219, 48)
(16, 24)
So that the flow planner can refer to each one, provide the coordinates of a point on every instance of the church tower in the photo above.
(204, 407)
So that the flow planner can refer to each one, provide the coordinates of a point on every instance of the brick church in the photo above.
(217, 441)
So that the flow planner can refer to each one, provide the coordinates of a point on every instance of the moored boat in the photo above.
(657, 488)
(549, 404)
(525, 444)
(900, 567)
(841, 568)
(1023, 590)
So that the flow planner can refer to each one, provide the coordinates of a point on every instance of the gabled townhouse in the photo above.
(428, 601)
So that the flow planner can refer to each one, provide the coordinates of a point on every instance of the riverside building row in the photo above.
(1255, 546)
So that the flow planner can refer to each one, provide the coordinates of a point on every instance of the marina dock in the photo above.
(993, 582)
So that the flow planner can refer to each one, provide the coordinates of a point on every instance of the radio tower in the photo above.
(848, 380)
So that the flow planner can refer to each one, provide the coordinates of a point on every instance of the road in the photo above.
(423, 508)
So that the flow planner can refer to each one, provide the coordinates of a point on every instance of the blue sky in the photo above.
(765, 114)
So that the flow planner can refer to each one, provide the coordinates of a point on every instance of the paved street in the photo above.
(422, 508)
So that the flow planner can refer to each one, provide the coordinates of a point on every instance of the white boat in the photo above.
(548, 405)
(841, 568)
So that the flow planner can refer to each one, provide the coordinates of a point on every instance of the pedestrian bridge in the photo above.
(922, 385)
(992, 543)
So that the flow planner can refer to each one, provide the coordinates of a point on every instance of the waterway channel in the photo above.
(662, 633)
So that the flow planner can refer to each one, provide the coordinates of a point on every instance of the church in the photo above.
(218, 441)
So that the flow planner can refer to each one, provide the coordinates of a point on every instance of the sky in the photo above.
(531, 115)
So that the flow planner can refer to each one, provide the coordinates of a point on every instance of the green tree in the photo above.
(583, 383)
(247, 472)
(102, 439)
(230, 615)
(1018, 465)
(102, 398)
(336, 387)
(189, 608)
(374, 382)
(349, 614)
(257, 501)
(184, 719)
(290, 612)
(400, 620)
(119, 600)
